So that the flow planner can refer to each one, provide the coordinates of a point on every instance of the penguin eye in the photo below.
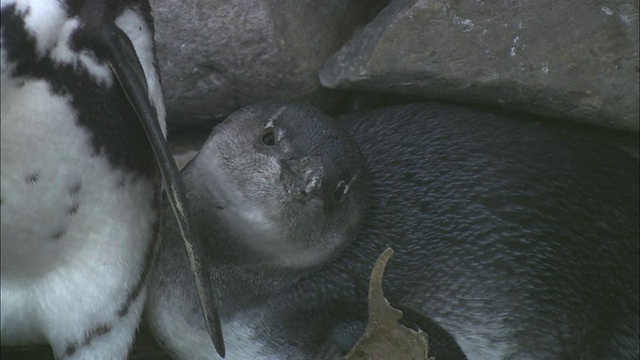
(269, 138)
(340, 191)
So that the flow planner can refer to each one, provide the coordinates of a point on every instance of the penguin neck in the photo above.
(213, 216)
(243, 277)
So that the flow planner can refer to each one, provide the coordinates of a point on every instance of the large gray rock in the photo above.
(218, 55)
(575, 59)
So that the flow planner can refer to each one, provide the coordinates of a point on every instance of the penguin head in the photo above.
(283, 182)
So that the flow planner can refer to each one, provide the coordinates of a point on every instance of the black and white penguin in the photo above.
(512, 239)
(83, 156)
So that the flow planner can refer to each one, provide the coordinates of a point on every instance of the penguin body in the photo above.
(513, 239)
(80, 173)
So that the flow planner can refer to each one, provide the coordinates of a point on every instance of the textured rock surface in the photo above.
(575, 60)
(218, 55)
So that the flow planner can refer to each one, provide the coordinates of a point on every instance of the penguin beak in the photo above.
(302, 177)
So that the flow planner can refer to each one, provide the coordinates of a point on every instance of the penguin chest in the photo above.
(75, 228)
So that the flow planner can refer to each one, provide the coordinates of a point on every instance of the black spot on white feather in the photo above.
(74, 209)
(32, 178)
(70, 349)
(58, 235)
(95, 332)
(75, 189)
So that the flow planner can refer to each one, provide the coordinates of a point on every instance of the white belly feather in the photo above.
(76, 231)
(71, 224)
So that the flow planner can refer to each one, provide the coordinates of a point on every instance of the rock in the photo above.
(216, 56)
(576, 60)
(184, 143)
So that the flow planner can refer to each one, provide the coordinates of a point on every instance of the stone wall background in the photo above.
(216, 56)
(572, 60)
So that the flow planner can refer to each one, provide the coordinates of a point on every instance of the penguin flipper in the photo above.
(101, 33)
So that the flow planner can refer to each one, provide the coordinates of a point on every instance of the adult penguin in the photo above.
(83, 154)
